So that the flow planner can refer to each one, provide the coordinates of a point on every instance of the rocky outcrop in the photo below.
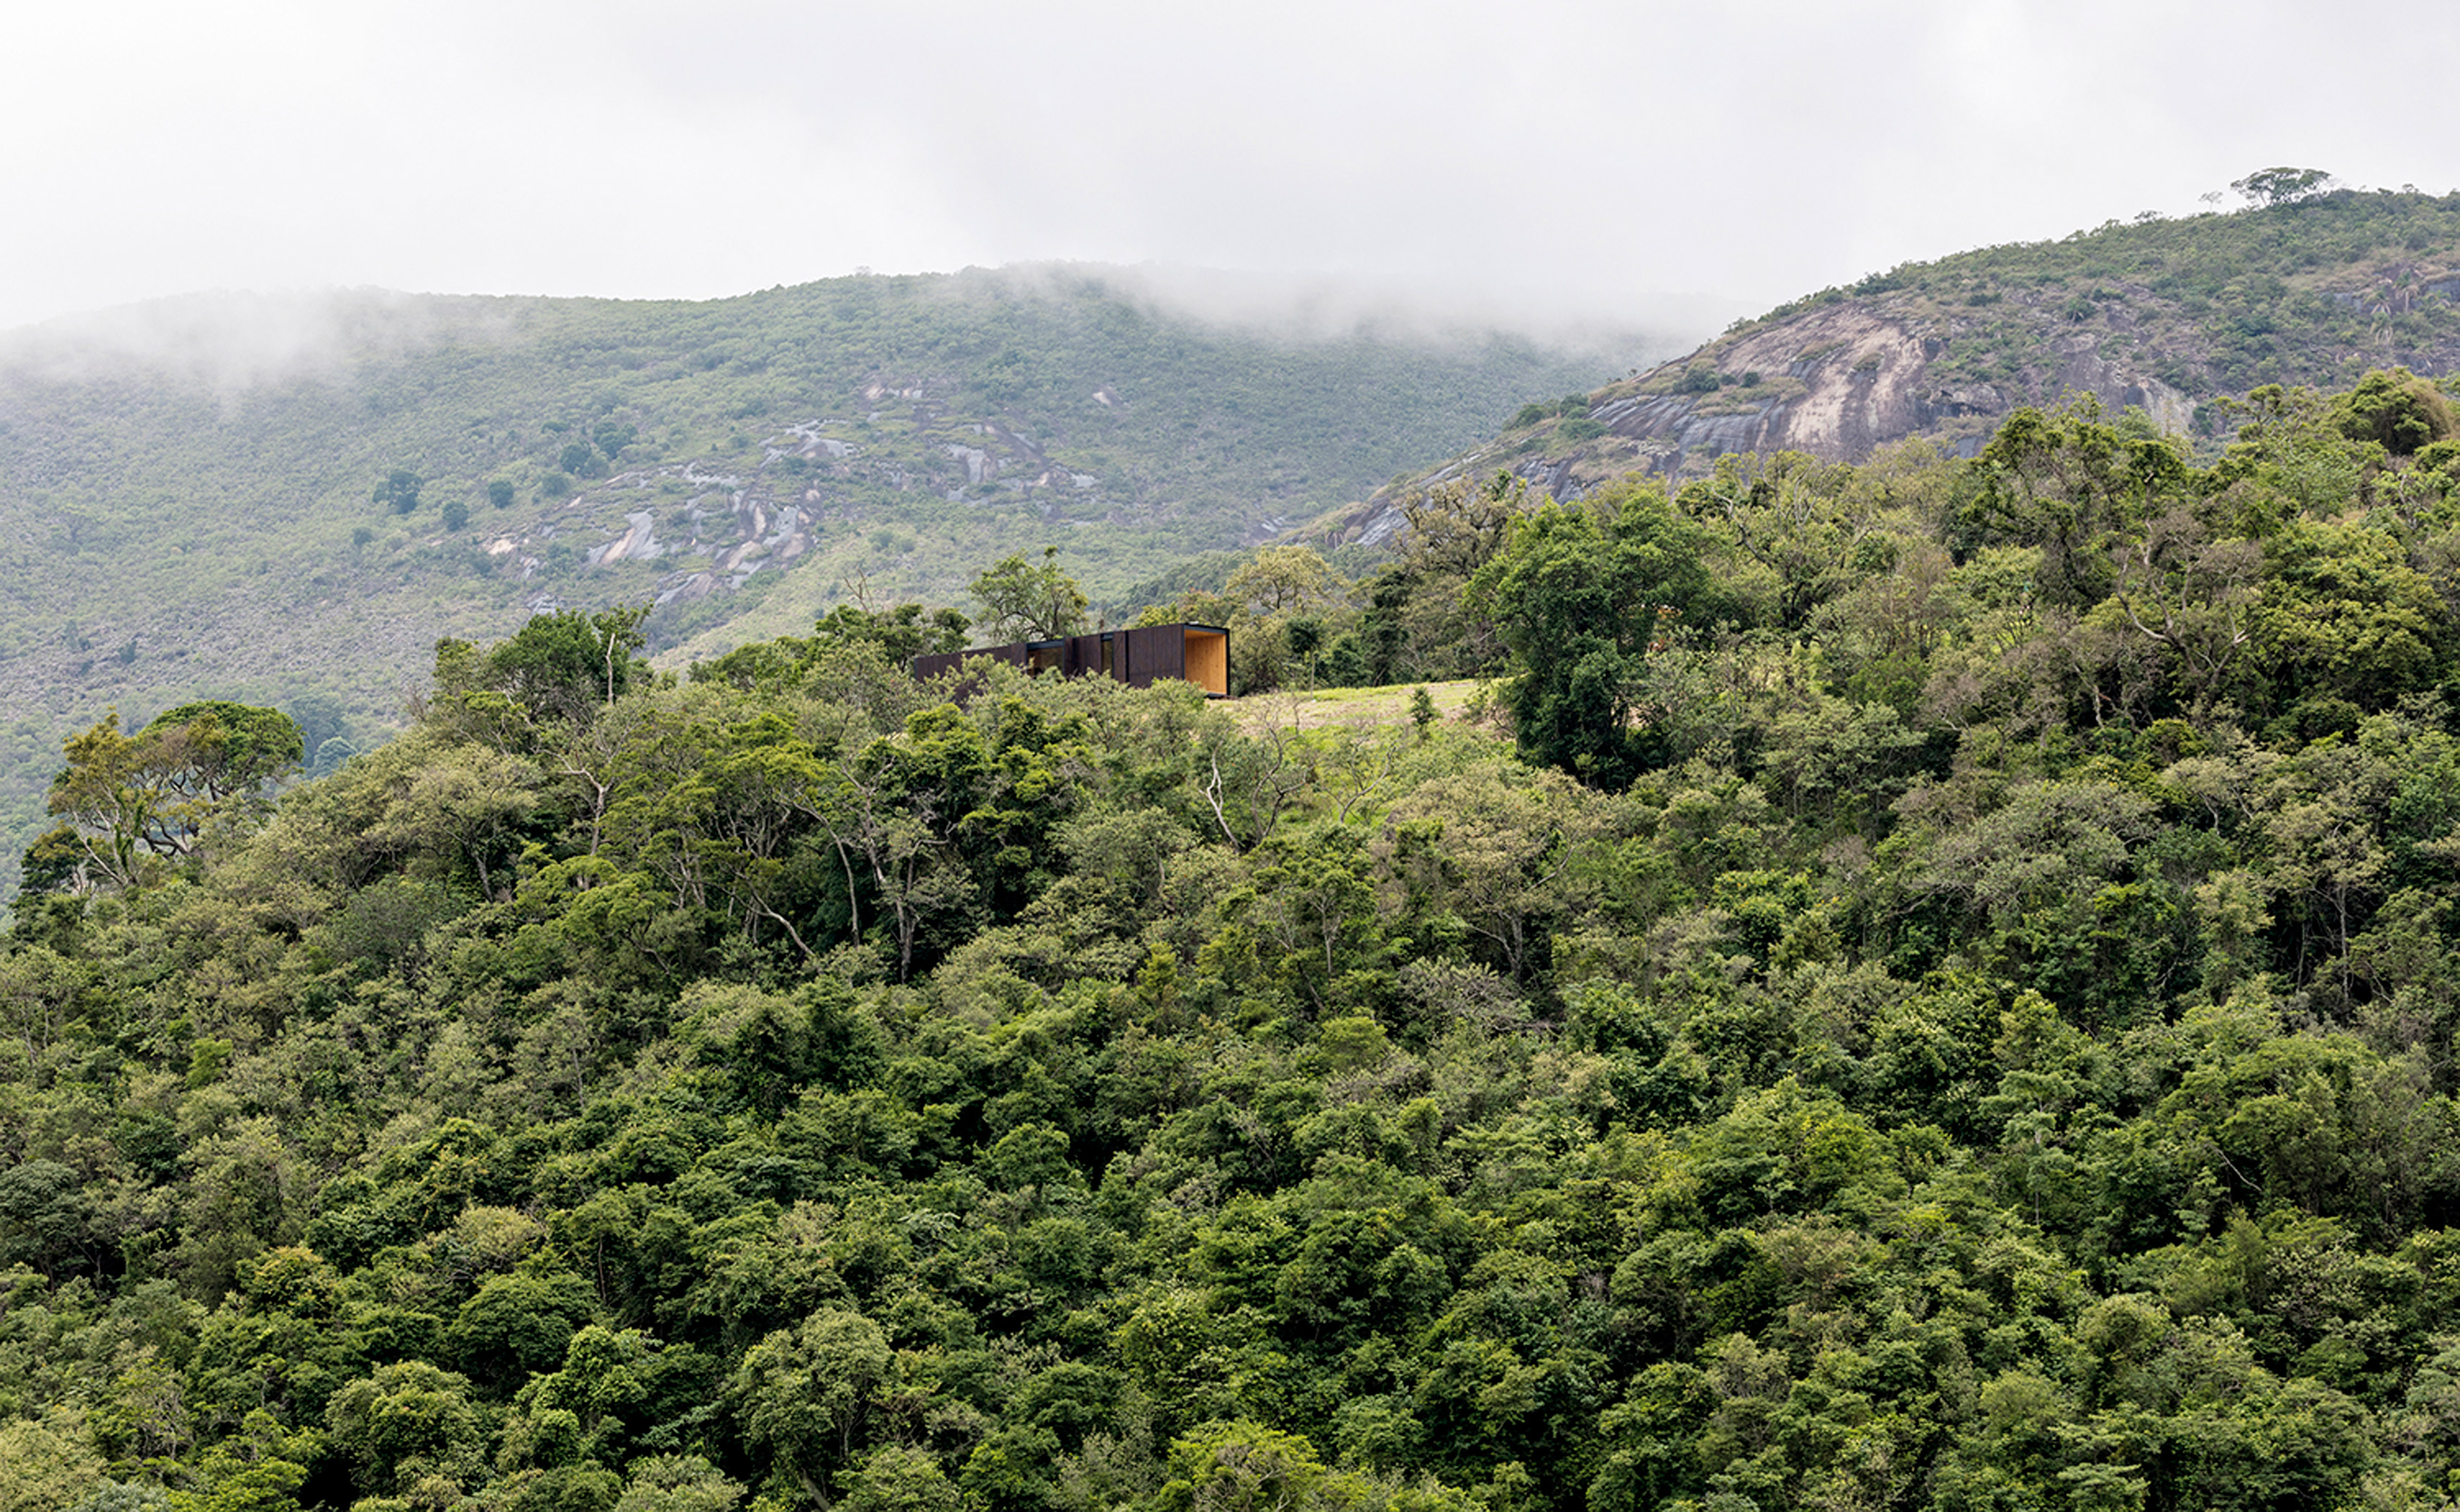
(1838, 378)
(1843, 380)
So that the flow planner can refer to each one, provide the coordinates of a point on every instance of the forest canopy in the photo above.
(1932, 984)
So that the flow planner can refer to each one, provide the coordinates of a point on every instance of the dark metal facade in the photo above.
(1137, 656)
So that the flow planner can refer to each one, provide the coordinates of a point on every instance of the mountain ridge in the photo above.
(2160, 315)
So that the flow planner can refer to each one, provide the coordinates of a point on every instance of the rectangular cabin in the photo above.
(1139, 657)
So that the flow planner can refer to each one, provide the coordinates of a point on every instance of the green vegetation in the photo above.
(447, 465)
(1024, 601)
(1297, 622)
(1982, 1034)
(2307, 287)
(2310, 286)
(128, 805)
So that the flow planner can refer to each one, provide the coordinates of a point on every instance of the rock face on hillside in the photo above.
(1838, 381)
(1844, 379)
(2161, 317)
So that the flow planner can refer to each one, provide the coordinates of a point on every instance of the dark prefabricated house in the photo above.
(1198, 654)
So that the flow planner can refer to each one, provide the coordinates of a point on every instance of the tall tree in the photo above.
(1028, 599)
(124, 798)
(558, 669)
(1585, 595)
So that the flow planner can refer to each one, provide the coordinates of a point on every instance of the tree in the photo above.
(460, 806)
(224, 750)
(896, 810)
(1242, 1466)
(1414, 623)
(499, 492)
(2068, 482)
(719, 812)
(256, 1470)
(126, 797)
(1277, 605)
(805, 1396)
(1283, 580)
(1585, 595)
(2341, 616)
(399, 491)
(406, 1423)
(560, 668)
(2266, 187)
(2194, 596)
(320, 717)
(902, 633)
(47, 1464)
(1496, 856)
(1314, 900)
(678, 1483)
(518, 1325)
(2397, 410)
(46, 1215)
(897, 1479)
(1799, 520)
(1022, 600)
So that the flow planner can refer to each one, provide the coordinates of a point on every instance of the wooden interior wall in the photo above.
(1207, 660)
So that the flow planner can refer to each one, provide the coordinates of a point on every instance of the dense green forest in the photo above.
(1932, 985)
(287, 502)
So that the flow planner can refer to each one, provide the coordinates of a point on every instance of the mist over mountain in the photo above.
(1326, 307)
(235, 340)
(287, 497)
(240, 337)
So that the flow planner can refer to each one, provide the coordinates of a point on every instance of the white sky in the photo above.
(1523, 159)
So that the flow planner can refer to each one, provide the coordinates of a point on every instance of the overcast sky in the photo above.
(1526, 159)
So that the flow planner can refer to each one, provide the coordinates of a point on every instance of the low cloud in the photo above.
(234, 341)
(1319, 307)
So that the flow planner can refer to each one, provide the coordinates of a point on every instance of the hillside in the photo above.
(2164, 315)
(1948, 999)
(289, 501)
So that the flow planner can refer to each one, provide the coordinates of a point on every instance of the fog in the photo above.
(236, 340)
(1316, 306)
(1563, 167)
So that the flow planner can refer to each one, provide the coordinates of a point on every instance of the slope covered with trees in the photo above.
(1950, 1004)
(286, 502)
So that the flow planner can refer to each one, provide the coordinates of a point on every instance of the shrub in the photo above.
(399, 491)
(2397, 408)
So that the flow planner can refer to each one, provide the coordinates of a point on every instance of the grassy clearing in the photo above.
(1361, 708)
